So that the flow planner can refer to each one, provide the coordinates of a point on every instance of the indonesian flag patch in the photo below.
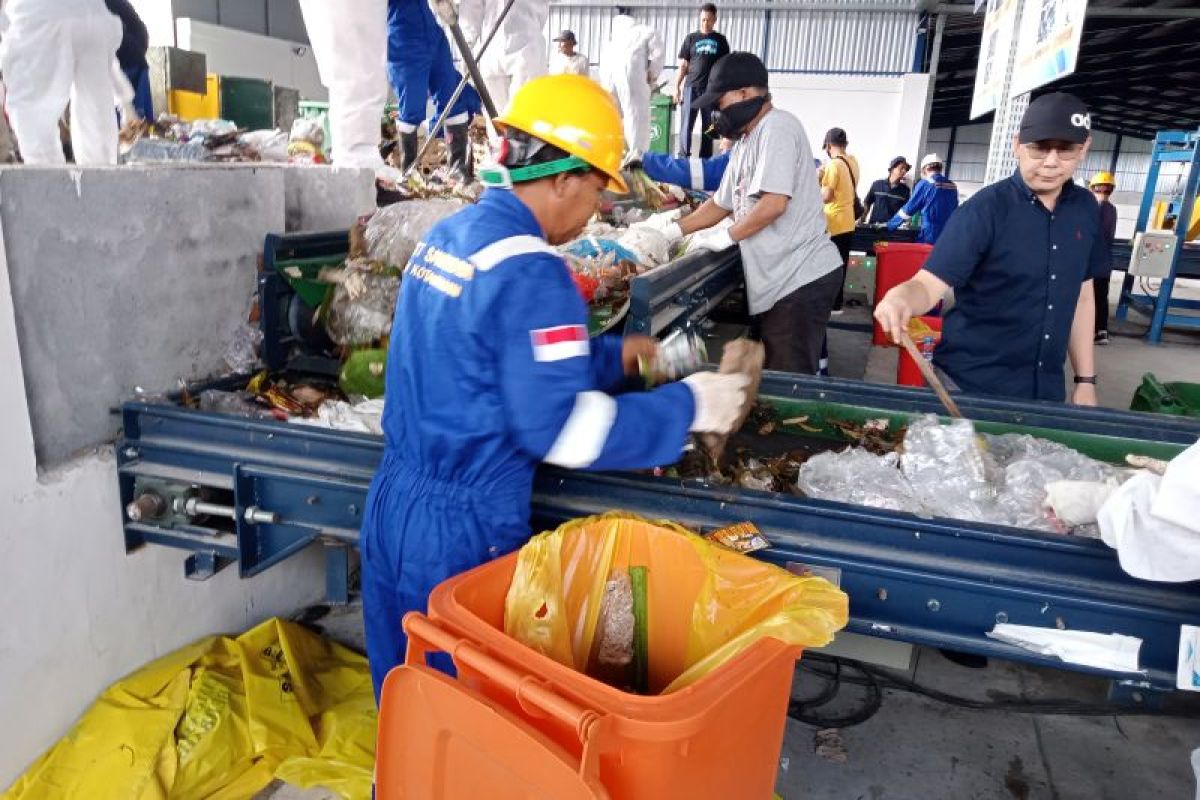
(555, 344)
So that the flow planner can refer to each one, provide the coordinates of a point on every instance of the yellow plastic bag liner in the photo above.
(705, 603)
(219, 719)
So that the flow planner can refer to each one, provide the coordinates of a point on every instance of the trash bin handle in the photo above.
(425, 635)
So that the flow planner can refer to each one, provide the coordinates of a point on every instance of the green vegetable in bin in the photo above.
(363, 373)
(641, 631)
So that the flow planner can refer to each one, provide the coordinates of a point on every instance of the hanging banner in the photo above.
(1048, 43)
(999, 27)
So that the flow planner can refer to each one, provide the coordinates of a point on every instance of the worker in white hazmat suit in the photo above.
(518, 51)
(52, 51)
(349, 41)
(629, 66)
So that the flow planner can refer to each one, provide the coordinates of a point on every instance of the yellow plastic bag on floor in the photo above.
(220, 719)
(705, 603)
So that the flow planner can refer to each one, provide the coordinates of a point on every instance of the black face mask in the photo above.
(729, 121)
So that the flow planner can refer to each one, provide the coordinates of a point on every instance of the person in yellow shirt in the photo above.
(839, 191)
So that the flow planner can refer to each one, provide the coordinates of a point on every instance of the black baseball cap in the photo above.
(1057, 115)
(734, 71)
(565, 36)
(897, 161)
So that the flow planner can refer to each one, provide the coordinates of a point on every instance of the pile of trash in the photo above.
(951, 471)
(170, 139)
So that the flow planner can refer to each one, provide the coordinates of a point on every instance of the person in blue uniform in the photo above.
(491, 370)
(420, 67)
(934, 198)
(1021, 255)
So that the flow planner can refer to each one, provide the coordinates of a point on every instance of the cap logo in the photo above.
(1082, 121)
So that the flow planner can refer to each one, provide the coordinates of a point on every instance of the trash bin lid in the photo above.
(442, 741)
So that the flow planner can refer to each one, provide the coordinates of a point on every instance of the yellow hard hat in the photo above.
(574, 114)
(1103, 178)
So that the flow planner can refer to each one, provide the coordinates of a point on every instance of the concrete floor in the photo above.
(916, 748)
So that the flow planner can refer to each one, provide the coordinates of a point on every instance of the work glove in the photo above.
(713, 239)
(632, 160)
(719, 400)
(665, 223)
(1077, 502)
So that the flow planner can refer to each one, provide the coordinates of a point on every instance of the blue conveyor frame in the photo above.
(926, 581)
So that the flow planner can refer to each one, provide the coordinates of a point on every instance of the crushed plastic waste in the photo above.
(942, 471)
(363, 303)
(393, 232)
(241, 354)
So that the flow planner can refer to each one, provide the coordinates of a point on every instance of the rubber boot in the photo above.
(408, 149)
(458, 141)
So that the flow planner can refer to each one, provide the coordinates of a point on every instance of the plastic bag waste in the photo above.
(152, 151)
(271, 145)
(240, 404)
(307, 129)
(705, 603)
(221, 718)
(363, 303)
(394, 231)
(651, 248)
(338, 415)
(241, 353)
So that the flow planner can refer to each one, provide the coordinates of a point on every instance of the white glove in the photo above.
(1077, 502)
(665, 223)
(714, 239)
(719, 400)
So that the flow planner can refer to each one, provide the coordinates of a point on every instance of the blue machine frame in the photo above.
(928, 581)
(1174, 147)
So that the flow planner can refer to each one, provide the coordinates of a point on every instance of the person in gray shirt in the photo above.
(770, 188)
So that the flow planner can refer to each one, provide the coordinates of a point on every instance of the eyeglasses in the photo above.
(1042, 150)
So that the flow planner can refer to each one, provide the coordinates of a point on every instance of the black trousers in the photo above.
(1100, 287)
(842, 243)
(794, 328)
(692, 94)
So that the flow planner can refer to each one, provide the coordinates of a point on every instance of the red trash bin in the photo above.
(896, 262)
(907, 371)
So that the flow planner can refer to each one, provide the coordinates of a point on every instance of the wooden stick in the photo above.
(929, 375)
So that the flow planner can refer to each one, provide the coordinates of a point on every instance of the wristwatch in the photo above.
(1086, 379)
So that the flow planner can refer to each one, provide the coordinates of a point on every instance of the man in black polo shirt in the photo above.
(700, 51)
(1020, 255)
(887, 195)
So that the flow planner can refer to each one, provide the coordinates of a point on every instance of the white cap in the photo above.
(931, 158)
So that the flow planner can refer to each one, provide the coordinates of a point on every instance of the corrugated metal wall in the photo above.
(793, 39)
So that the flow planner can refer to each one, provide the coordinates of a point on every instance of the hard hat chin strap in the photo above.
(498, 176)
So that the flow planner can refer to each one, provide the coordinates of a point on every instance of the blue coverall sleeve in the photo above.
(916, 203)
(608, 371)
(555, 410)
(700, 174)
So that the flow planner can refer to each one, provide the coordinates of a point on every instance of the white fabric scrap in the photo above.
(1154, 523)
(1109, 651)
(338, 415)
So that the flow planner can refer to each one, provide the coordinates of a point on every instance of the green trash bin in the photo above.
(1181, 399)
(661, 111)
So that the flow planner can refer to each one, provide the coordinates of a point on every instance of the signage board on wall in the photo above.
(1047, 43)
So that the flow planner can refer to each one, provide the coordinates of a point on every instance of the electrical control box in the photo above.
(1152, 254)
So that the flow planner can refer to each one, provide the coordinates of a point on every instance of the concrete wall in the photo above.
(78, 613)
(137, 276)
(881, 115)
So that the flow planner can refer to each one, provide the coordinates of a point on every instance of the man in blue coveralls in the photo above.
(934, 197)
(1021, 255)
(491, 371)
(420, 67)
